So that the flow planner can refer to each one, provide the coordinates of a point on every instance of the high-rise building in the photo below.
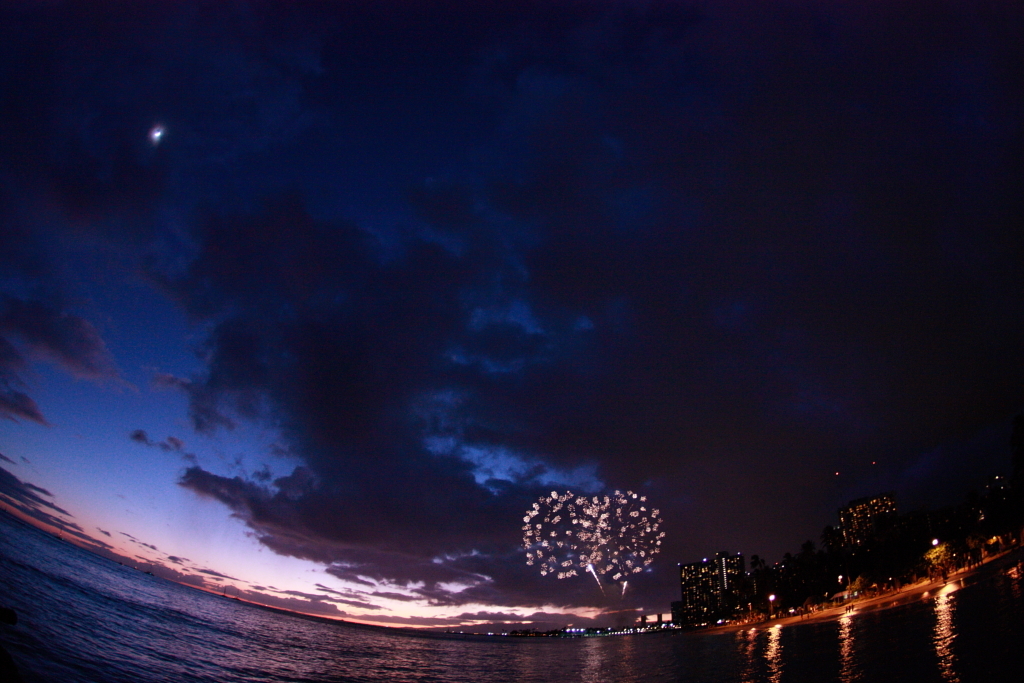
(710, 589)
(729, 569)
(699, 602)
(860, 518)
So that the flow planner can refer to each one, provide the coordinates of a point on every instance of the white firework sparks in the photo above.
(549, 537)
(637, 537)
(615, 535)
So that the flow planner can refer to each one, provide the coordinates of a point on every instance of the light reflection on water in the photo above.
(945, 634)
(1014, 573)
(747, 645)
(848, 671)
(593, 660)
(773, 654)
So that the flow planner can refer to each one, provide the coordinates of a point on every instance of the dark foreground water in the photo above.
(83, 618)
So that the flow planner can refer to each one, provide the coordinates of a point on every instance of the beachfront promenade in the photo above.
(921, 590)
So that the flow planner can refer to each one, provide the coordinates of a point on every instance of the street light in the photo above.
(771, 606)
(935, 541)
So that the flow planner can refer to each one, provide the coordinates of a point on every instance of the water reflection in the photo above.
(1014, 573)
(747, 644)
(945, 633)
(773, 655)
(593, 660)
(848, 671)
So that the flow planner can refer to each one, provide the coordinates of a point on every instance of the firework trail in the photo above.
(590, 568)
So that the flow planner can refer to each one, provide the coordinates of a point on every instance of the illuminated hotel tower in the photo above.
(858, 519)
(710, 589)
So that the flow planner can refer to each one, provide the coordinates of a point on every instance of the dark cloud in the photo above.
(59, 336)
(171, 444)
(140, 436)
(138, 542)
(263, 475)
(187, 578)
(204, 410)
(105, 533)
(48, 332)
(299, 526)
(15, 404)
(343, 594)
(6, 459)
(30, 500)
(163, 380)
(715, 253)
(93, 544)
(313, 597)
(707, 261)
(211, 572)
(78, 173)
(401, 597)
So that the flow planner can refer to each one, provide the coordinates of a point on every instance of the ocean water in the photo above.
(85, 619)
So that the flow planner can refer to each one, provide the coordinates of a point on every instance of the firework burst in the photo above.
(549, 537)
(568, 535)
(636, 538)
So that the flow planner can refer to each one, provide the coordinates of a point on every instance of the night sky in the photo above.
(315, 299)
